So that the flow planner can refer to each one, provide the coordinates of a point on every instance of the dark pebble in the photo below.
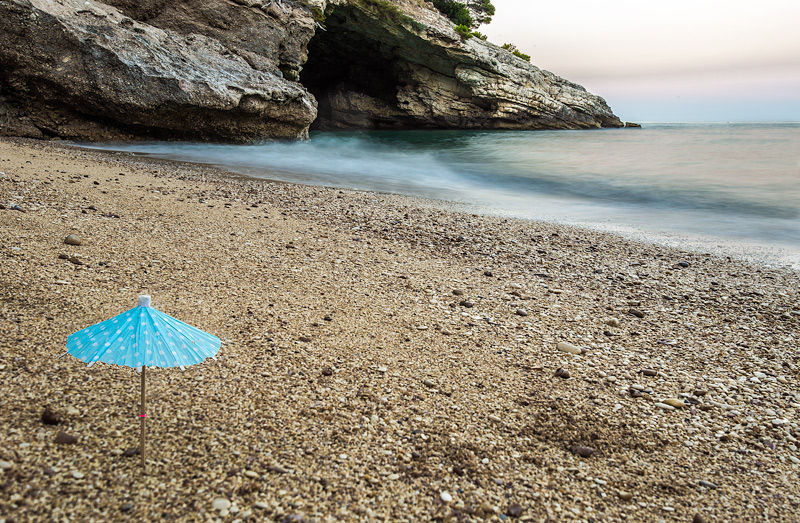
(683, 264)
(700, 392)
(63, 256)
(562, 373)
(126, 507)
(65, 439)
(521, 312)
(415, 455)
(466, 303)
(277, 469)
(515, 510)
(50, 418)
(650, 372)
(584, 452)
(698, 518)
(457, 292)
(327, 371)
(305, 339)
(488, 273)
(636, 312)
(133, 451)
(328, 318)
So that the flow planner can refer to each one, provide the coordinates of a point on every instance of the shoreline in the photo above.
(692, 234)
(379, 353)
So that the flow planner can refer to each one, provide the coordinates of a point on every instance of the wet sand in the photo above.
(384, 358)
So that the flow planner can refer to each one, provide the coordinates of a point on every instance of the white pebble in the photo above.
(221, 504)
(568, 347)
(445, 496)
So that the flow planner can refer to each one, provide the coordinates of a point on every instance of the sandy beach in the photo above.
(383, 359)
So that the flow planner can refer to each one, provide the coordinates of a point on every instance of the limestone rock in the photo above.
(369, 70)
(87, 71)
(239, 70)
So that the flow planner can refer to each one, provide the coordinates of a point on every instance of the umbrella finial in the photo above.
(144, 300)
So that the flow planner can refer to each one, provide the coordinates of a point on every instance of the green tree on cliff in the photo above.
(470, 13)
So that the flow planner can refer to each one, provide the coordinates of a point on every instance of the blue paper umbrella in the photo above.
(143, 337)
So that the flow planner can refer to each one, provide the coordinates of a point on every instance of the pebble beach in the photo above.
(384, 358)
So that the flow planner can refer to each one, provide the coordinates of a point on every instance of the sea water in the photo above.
(725, 188)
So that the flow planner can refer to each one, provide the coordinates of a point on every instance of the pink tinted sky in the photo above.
(682, 60)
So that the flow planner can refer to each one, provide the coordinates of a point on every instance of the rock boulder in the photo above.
(84, 70)
(242, 70)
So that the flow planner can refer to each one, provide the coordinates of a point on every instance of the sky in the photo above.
(681, 60)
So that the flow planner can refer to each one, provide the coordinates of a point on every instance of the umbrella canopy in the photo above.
(143, 336)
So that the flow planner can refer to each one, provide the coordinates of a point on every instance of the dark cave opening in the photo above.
(354, 75)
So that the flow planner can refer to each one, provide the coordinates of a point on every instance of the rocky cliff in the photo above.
(240, 70)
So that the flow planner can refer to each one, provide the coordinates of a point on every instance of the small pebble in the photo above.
(698, 518)
(73, 239)
(126, 507)
(664, 406)
(514, 510)
(612, 322)
(636, 312)
(649, 372)
(707, 484)
(673, 402)
(625, 496)
(221, 504)
(260, 505)
(277, 469)
(428, 383)
(5, 465)
(49, 417)
(584, 452)
(521, 312)
(568, 347)
(562, 373)
(445, 496)
(466, 303)
(65, 439)
(77, 475)
(251, 474)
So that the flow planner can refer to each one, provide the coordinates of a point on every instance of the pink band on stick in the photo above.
(142, 415)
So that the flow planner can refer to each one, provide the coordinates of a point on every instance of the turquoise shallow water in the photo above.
(729, 188)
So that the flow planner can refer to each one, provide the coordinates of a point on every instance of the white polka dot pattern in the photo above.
(143, 336)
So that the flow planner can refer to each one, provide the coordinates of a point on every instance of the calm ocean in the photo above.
(725, 188)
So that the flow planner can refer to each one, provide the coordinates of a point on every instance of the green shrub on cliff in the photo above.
(455, 11)
(516, 52)
(464, 31)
